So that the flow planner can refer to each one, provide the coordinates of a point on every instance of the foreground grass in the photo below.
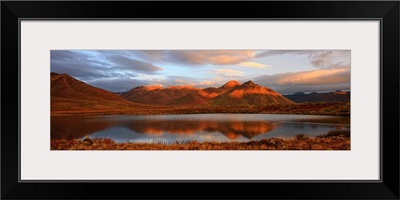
(333, 109)
(333, 140)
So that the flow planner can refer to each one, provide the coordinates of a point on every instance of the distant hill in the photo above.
(157, 94)
(337, 96)
(231, 93)
(68, 93)
(250, 93)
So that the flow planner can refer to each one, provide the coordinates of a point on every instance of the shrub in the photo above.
(338, 132)
(301, 136)
(108, 141)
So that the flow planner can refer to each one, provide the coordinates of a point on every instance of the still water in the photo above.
(200, 127)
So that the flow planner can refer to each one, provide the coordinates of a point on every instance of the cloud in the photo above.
(252, 65)
(126, 84)
(281, 52)
(154, 56)
(91, 65)
(213, 57)
(319, 59)
(323, 59)
(330, 59)
(178, 80)
(77, 65)
(207, 83)
(173, 81)
(307, 81)
(332, 76)
(122, 70)
(196, 57)
(118, 84)
(124, 62)
(228, 72)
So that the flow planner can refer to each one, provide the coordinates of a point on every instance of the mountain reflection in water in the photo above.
(205, 127)
(231, 129)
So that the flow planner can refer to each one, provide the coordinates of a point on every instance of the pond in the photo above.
(188, 127)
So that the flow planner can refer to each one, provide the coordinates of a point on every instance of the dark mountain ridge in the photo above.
(336, 96)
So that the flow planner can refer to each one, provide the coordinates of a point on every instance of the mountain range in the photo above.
(231, 93)
(337, 96)
(70, 94)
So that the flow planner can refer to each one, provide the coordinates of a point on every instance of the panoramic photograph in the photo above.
(200, 99)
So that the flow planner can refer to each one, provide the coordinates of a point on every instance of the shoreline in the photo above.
(188, 113)
(327, 109)
(336, 140)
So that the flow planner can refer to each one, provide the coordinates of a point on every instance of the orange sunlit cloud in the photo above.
(229, 72)
(329, 76)
(252, 65)
(215, 57)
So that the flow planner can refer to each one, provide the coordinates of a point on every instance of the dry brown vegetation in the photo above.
(333, 140)
(333, 109)
(323, 108)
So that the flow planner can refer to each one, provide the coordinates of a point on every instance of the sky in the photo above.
(285, 71)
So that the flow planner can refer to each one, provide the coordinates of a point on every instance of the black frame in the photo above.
(386, 11)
